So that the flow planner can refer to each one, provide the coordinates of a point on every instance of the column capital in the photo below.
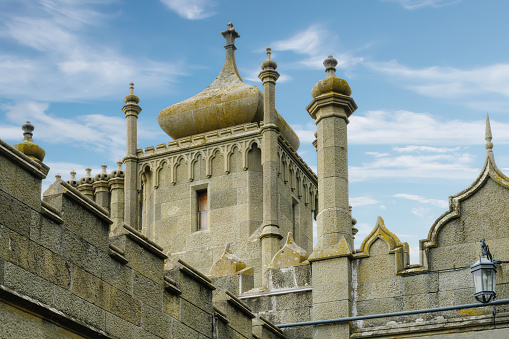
(331, 104)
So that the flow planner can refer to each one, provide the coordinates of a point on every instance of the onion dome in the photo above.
(331, 83)
(118, 173)
(73, 182)
(103, 175)
(131, 97)
(28, 146)
(227, 102)
(88, 179)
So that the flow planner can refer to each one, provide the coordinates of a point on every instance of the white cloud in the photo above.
(316, 44)
(404, 127)
(191, 9)
(436, 202)
(449, 82)
(416, 4)
(65, 62)
(437, 166)
(99, 132)
(414, 148)
(362, 201)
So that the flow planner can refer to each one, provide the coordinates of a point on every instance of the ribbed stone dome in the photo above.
(228, 101)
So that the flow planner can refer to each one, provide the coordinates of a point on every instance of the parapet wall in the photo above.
(61, 276)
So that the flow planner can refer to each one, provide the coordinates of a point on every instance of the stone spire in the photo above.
(230, 35)
(487, 134)
(28, 146)
(131, 110)
(271, 234)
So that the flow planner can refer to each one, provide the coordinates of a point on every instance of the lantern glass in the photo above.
(484, 275)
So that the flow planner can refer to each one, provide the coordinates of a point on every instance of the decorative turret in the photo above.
(331, 83)
(87, 179)
(119, 172)
(131, 110)
(28, 146)
(73, 182)
(228, 101)
(103, 176)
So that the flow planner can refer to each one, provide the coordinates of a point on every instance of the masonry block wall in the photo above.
(60, 276)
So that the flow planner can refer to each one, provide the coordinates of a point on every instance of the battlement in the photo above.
(60, 272)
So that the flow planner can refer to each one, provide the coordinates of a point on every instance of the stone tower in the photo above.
(231, 175)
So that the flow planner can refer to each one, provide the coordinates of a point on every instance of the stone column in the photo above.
(271, 235)
(131, 110)
(116, 183)
(330, 260)
(101, 189)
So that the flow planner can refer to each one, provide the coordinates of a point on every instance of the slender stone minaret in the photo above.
(131, 110)
(330, 260)
(271, 235)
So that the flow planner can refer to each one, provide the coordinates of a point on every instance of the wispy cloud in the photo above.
(362, 201)
(191, 9)
(407, 128)
(426, 149)
(436, 166)
(416, 4)
(315, 43)
(449, 82)
(66, 62)
(435, 202)
(96, 131)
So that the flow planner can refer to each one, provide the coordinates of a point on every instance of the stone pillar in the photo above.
(85, 184)
(330, 260)
(271, 235)
(131, 110)
(101, 189)
(116, 183)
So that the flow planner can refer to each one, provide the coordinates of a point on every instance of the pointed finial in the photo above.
(131, 97)
(289, 238)
(268, 64)
(230, 35)
(330, 66)
(89, 171)
(58, 176)
(73, 175)
(103, 166)
(119, 164)
(487, 134)
(28, 128)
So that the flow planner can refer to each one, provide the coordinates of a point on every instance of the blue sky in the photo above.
(423, 73)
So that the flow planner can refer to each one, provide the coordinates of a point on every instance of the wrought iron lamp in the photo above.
(484, 273)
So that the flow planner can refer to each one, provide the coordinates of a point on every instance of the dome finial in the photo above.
(27, 146)
(28, 129)
(487, 133)
(268, 64)
(230, 35)
(330, 66)
(131, 97)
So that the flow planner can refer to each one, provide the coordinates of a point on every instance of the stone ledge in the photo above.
(235, 302)
(144, 242)
(220, 315)
(38, 170)
(170, 285)
(196, 275)
(49, 313)
(117, 254)
(269, 326)
(51, 212)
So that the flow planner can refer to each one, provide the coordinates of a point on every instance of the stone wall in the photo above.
(62, 276)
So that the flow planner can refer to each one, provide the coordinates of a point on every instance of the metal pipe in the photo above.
(394, 314)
